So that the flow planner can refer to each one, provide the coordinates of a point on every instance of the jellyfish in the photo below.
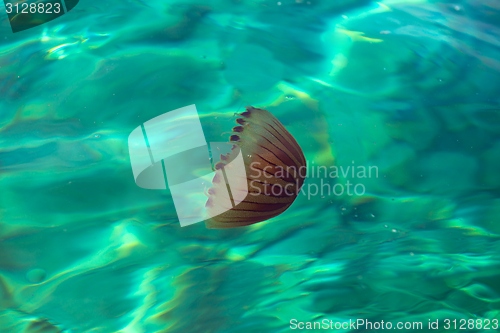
(275, 169)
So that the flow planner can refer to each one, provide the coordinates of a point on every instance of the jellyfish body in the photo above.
(275, 169)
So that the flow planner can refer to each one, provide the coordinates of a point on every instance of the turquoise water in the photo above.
(409, 88)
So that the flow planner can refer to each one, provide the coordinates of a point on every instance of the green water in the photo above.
(408, 87)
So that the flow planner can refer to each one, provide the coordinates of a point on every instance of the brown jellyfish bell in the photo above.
(275, 169)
